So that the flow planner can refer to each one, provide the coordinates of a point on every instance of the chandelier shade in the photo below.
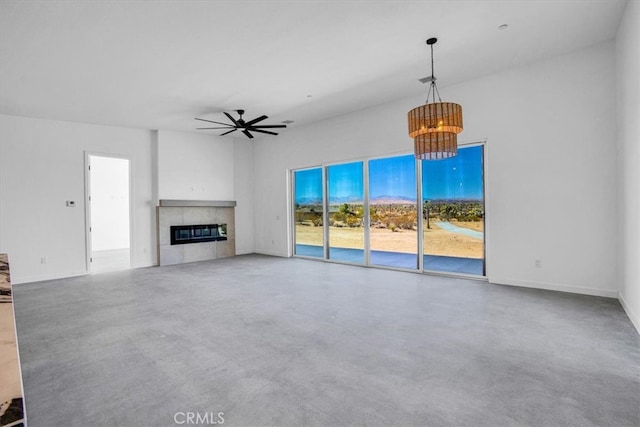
(433, 118)
(435, 145)
(435, 126)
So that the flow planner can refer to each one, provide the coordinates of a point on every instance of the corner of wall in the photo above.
(628, 144)
(635, 319)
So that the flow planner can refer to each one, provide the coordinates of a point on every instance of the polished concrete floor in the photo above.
(110, 260)
(294, 342)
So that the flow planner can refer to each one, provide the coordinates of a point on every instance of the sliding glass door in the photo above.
(374, 213)
(453, 213)
(308, 213)
(393, 212)
(345, 193)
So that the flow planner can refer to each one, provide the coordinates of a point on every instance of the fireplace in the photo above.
(183, 234)
(195, 230)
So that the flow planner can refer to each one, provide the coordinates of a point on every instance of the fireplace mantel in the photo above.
(197, 203)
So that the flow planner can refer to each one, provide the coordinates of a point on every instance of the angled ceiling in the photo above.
(157, 65)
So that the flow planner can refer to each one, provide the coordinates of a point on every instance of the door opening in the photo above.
(453, 213)
(108, 214)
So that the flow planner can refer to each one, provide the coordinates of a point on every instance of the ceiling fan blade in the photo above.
(211, 121)
(246, 132)
(235, 122)
(269, 126)
(256, 120)
(232, 130)
(263, 131)
(228, 127)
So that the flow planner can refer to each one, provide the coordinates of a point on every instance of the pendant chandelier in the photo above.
(435, 126)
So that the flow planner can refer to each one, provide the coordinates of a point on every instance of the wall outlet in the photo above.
(43, 260)
(538, 263)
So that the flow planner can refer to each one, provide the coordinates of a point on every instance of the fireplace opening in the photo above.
(182, 234)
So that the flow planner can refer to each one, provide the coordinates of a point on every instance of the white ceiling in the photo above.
(159, 64)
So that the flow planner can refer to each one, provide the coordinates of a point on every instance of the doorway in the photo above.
(453, 212)
(108, 213)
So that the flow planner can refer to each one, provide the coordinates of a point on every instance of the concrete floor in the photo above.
(293, 342)
(110, 260)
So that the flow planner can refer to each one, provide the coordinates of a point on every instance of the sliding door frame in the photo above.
(367, 219)
(483, 144)
(292, 212)
(326, 176)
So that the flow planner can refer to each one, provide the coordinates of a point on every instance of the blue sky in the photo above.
(393, 176)
(459, 177)
(308, 184)
(345, 181)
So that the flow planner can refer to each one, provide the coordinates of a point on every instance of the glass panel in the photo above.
(309, 235)
(453, 222)
(346, 212)
(393, 212)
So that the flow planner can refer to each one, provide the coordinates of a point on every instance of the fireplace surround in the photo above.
(195, 230)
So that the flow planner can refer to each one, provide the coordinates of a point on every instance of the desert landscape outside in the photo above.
(452, 209)
(437, 240)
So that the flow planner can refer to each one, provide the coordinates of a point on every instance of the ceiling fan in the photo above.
(246, 127)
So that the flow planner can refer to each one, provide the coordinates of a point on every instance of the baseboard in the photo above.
(555, 287)
(17, 280)
(43, 277)
(257, 251)
(635, 320)
(244, 252)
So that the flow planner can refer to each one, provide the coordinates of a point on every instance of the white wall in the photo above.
(109, 184)
(551, 170)
(628, 78)
(243, 177)
(41, 167)
(195, 166)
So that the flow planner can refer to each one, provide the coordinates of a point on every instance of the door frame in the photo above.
(87, 203)
(474, 143)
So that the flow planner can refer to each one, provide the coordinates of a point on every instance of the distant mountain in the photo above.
(309, 201)
(434, 201)
(340, 200)
(379, 200)
(392, 200)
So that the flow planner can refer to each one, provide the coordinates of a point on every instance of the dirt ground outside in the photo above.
(436, 240)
